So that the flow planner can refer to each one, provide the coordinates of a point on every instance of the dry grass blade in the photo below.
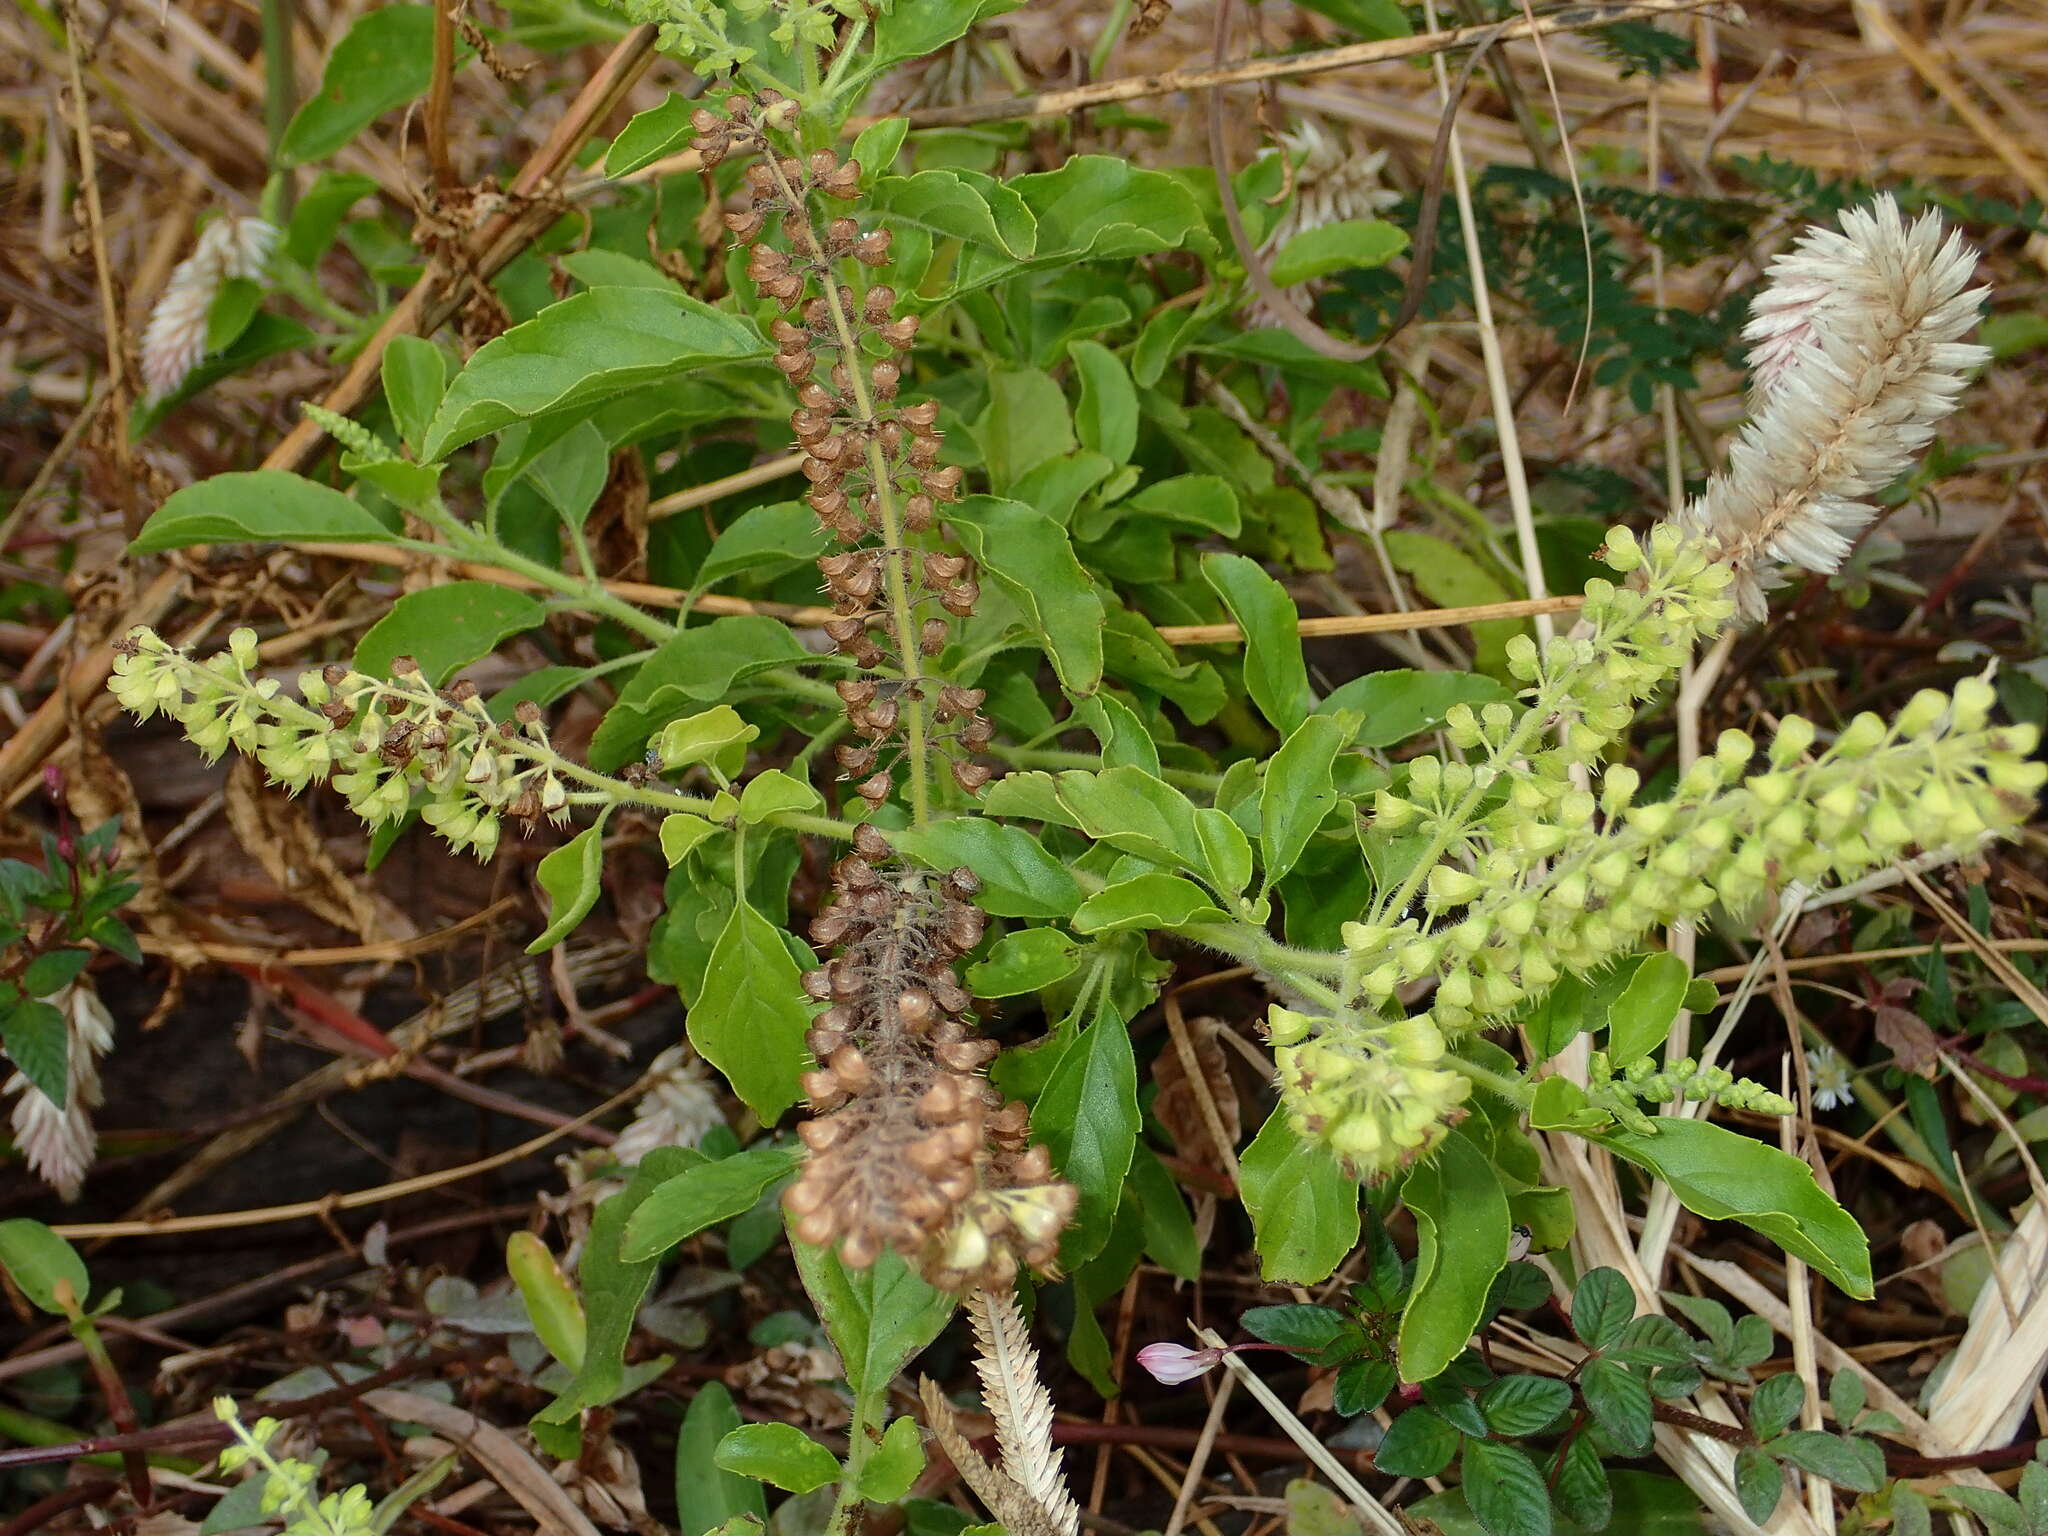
(496, 1452)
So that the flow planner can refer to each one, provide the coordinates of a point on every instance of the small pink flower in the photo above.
(1176, 1363)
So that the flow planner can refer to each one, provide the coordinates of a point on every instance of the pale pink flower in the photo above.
(1176, 1363)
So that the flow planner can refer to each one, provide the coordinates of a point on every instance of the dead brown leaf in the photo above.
(1179, 1105)
(274, 829)
(1910, 1041)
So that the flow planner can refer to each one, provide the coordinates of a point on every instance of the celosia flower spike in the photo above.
(174, 341)
(1857, 350)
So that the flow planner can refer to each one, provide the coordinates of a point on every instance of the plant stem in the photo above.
(859, 1444)
(895, 555)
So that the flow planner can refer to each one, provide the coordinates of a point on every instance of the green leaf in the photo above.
(717, 736)
(1759, 1482)
(552, 1305)
(1018, 877)
(892, 1466)
(1312, 1332)
(1461, 1243)
(1450, 578)
(445, 628)
(1028, 557)
(39, 1042)
(1362, 1386)
(1857, 1465)
(764, 541)
(1313, 1510)
(52, 971)
(386, 60)
(877, 1317)
(1602, 1306)
(1505, 1490)
(257, 506)
(700, 666)
(1721, 1175)
(780, 1454)
(1169, 1231)
(571, 471)
(703, 1195)
(613, 1287)
(1846, 1397)
(1135, 812)
(651, 135)
(1524, 1405)
(1419, 1443)
(1024, 961)
(1026, 423)
(980, 211)
(415, 373)
(1274, 673)
(771, 792)
(1147, 902)
(233, 307)
(877, 145)
(749, 1019)
(1642, 1016)
(1125, 739)
(572, 876)
(916, 31)
(680, 832)
(1775, 1404)
(319, 212)
(1580, 1486)
(267, 335)
(1098, 206)
(1338, 247)
(707, 1495)
(1304, 1207)
(1399, 703)
(1298, 792)
(1088, 1119)
(1620, 1399)
(1107, 420)
(38, 1261)
(581, 351)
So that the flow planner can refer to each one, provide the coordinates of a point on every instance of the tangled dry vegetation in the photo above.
(334, 1083)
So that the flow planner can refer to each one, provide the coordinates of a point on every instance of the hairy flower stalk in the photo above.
(911, 1148)
(1857, 350)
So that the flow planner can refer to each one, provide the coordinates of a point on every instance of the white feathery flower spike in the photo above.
(1333, 181)
(677, 1109)
(174, 341)
(1857, 351)
(59, 1142)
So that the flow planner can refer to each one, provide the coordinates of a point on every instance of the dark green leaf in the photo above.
(1505, 1490)
(749, 1019)
(780, 1454)
(1775, 1404)
(1088, 1119)
(1303, 1205)
(1018, 877)
(1759, 1482)
(1857, 1465)
(1619, 1398)
(916, 31)
(1524, 1405)
(1602, 1306)
(1297, 793)
(445, 628)
(706, 1494)
(1419, 1443)
(703, 1195)
(385, 61)
(1461, 1232)
(1274, 673)
(1311, 1332)
(1169, 1231)
(1579, 1483)
(1362, 1386)
(39, 1042)
(257, 506)
(1721, 1175)
(765, 540)
(651, 135)
(1028, 557)
(581, 351)
(877, 1317)
(52, 971)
